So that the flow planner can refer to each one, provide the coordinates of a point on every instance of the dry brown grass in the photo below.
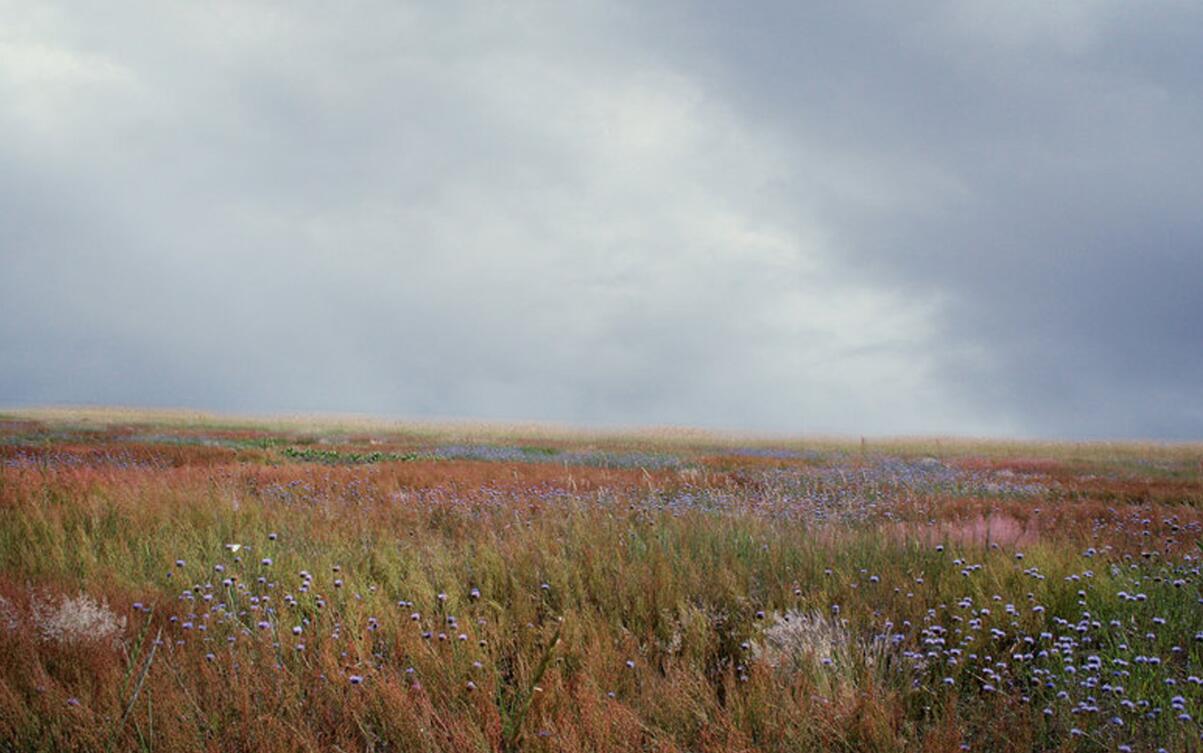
(633, 574)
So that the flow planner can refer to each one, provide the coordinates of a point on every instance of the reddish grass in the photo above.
(114, 513)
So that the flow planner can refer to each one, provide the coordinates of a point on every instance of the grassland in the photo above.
(176, 581)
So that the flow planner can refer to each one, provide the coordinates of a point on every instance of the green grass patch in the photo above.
(333, 457)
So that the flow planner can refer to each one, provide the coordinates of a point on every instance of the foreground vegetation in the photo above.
(183, 585)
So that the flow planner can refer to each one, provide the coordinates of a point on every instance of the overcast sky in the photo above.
(862, 217)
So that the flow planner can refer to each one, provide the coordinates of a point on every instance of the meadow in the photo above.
(179, 582)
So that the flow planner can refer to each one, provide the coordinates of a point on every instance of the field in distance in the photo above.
(177, 581)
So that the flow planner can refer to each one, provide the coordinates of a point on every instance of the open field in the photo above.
(172, 581)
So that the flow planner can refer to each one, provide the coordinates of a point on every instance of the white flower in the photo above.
(76, 619)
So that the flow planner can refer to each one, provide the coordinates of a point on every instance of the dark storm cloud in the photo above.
(963, 217)
(1047, 159)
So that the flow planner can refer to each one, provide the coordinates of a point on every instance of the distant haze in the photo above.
(925, 217)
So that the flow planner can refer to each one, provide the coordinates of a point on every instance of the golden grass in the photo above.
(667, 437)
(603, 608)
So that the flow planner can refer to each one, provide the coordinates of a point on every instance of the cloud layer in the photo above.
(957, 217)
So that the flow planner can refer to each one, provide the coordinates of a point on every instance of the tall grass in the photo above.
(469, 606)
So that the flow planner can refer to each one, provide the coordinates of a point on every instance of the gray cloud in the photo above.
(1039, 165)
(967, 217)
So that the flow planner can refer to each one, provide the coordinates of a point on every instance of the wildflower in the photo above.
(356, 679)
(630, 663)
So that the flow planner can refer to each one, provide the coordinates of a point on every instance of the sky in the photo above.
(931, 217)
